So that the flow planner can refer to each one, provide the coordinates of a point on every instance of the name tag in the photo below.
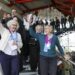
(13, 47)
(47, 47)
(45, 50)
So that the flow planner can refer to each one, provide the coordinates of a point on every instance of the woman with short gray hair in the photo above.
(9, 56)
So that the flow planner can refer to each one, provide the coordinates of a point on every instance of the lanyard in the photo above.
(14, 36)
(48, 40)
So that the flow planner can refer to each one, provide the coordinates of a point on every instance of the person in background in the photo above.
(35, 50)
(4, 19)
(9, 54)
(14, 13)
(38, 29)
(9, 17)
(63, 22)
(48, 54)
(27, 20)
(22, 31)
(53, 23)
(35, 17)
(71, 21)
(57, 24)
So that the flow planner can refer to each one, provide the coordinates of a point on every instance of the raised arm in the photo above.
(33, 33)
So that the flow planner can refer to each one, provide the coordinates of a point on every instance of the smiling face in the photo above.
(48, 29)
(13, 28)
(13, 25)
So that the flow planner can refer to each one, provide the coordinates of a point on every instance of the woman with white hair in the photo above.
(10, 58)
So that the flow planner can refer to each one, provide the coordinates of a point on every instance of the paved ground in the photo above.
(27, 71)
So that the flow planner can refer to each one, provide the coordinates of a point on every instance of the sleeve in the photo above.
(19, 42)
(33, 33)
(59, 46)
(4, 39)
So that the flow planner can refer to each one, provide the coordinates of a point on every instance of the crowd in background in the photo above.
(64, 22)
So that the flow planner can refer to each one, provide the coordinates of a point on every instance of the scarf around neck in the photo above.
(48, 39)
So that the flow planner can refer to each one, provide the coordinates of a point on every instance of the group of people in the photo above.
(15, 34)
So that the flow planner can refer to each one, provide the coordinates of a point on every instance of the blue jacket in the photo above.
(55, 42)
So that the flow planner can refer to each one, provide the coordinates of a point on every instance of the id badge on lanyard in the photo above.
(13, 39)
(47, 47)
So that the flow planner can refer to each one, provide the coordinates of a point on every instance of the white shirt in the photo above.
(26, 24)
(11, 49)
(35, 18)
(29, 17)
(4, 38)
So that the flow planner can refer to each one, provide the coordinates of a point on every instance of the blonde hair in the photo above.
(12, 22)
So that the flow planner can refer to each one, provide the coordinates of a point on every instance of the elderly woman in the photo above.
(10, 58)
(48, 41)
